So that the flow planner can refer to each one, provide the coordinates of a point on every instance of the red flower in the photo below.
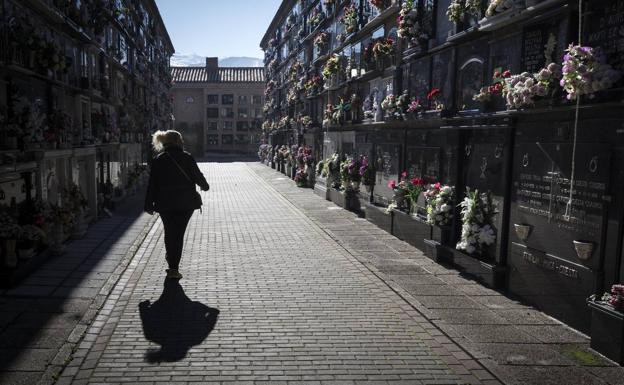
(418, 182)
(507, 74)
(404, 175)
(433, 94)
(437, 186)
(498, 87)
(392, 184)
(497, 75)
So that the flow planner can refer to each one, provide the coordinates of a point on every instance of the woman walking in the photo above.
(171, 192)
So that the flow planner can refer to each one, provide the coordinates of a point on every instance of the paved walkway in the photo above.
(45, 315)
(282, 287)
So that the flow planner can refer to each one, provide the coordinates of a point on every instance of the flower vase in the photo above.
(10, 257)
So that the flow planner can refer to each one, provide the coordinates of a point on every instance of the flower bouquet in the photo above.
(320, 41)
(410, 29)
(434, 97)
(415, 188)
(313, 85)
(301, 177)
(478, 232)
(615, 298)
(389, 105)
(458, 9)
(367, 173)
(350, 174)
(498, 6)
(350, 18)
(383, 49)
(586, 72)
(439, 200)
(331, 67)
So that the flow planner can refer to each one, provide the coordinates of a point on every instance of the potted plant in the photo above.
(301, 177)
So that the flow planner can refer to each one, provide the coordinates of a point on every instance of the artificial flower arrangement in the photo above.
(477, 213)
(439, 200)
(350, 173)
(350, 18)
(458, 8)
(294, 71)
(292, 97)
(367, 172)
(498, 80)
(414, 106)
(615, 297)
(498, 6)
(320, 168)
(586, 72)
(301, 177)
(332, 66)
(402, 103)
(313, 85)
(306, 121)
(407, 188)
(304, 156)
(340, 110)
(389, 105)
(434, 97)
(321, 40)
(381, 4)
(328, 115)
(284, 123)
(331, 169)
(263, 150)
(409, 27)
(316, 18)
(383, 48)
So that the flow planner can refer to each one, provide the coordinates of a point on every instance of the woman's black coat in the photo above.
(168, 188)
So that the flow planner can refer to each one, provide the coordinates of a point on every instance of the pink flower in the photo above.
(392, 184)
(418, 182)
(404, 174)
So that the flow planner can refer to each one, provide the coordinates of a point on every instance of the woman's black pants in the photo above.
(175, 223)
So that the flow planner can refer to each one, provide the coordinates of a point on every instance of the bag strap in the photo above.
(180, 168)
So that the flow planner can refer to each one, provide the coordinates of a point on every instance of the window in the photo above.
(212, 140)
(212, 99)
(257, 99)
(242, 125)
(242, 113)
(227, 139)
(228, 125)
(212, 113)
(241, 139)
(227, 99)
(212, 126)
(243, 99)
(227, 112)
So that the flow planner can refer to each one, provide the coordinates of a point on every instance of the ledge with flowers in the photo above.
(33, 230)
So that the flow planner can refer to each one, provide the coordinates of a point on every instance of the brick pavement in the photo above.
(268, 297)
(43, 317)
(517, 343)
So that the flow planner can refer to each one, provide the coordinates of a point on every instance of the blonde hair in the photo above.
(163, 139)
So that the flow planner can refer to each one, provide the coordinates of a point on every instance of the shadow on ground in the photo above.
(175, 323)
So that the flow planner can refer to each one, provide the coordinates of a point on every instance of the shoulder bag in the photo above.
(196, 196)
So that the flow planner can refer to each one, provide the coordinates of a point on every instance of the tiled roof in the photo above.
(220, 75)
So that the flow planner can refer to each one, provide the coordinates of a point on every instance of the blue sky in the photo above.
(217, 28)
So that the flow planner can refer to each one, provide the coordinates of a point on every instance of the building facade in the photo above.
(82, 86)
(484, 96)
(218, 109)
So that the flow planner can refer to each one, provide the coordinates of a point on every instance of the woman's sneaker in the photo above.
(173, 274)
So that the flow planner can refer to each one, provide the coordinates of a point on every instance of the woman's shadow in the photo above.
(175, 323)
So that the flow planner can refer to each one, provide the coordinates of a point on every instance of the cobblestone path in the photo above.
(267, 297)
